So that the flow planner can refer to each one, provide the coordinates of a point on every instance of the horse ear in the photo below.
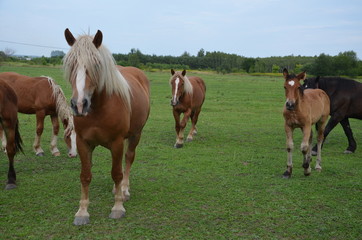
(69, 37)
(172, 71)
(184, 72)
(285, 73)
(302, 76)
(97, 41)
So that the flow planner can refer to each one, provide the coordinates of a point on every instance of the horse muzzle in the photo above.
(174, 102)
(80, 108)
(290, 105)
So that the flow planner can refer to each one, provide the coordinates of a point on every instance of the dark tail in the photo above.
(18, 140)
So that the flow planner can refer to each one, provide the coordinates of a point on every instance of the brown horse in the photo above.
(9, 123)
(111, 104)
(188, 95)
(42, 96)
(302, 109)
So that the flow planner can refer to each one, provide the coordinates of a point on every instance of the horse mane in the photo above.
(62, 108)
(100, 66)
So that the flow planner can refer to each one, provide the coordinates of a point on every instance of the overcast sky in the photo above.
(250, 28)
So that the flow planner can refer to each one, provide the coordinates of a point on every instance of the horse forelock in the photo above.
(100, 67)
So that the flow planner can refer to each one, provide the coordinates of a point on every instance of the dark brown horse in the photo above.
(346, 102)
(9, 123)
(302, 109)
(188, 95)
(111, 105)
(42, 96)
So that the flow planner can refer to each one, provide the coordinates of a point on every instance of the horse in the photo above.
(111, 105)
(346, 98)
(188, 95)
(302, 109)
(42, 96)
(9, 123)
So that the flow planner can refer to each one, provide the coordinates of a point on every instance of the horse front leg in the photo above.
(53, 143)
(306, 150)
(40, 115)
(118, 210)
(180, 136)
(176, 115)
(85, 155)
(290, 147)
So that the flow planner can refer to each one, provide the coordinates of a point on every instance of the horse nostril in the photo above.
(85, 103)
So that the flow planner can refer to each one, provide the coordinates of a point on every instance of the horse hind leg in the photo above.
(53, 143)
(10, 150)
(320, 139)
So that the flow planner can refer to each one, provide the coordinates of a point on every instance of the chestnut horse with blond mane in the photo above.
(9, 123)
(302, 109)
(188, 95)
(42, 96)
(111, 105)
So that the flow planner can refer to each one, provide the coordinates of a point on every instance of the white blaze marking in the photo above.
(80, 83)
(291, 83)
(177, 81)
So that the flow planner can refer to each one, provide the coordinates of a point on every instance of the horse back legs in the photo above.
(193, 130)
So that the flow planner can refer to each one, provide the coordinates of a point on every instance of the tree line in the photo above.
(345, 63)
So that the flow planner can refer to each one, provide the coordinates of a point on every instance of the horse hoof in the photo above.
(10, 186)
(347, 152)
(126, 196)
(40, 154)
(189, 140)
(318, 169)
(314, 153)
(56, 154)
(286, 175)
(178, 145)
(117, 214)
(78, 221)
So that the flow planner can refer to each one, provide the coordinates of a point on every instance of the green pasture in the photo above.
(226, 184)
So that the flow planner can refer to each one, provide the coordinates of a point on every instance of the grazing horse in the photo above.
(111, 105)
(302, 109)
(42, 96)
(188, 95)
(9, 123)
(346, 102)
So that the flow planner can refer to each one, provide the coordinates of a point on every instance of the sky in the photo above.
(250, 28)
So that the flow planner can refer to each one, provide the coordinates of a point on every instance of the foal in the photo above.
(188, 95)
(302, 109)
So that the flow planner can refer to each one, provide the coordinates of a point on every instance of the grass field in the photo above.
(226, 184)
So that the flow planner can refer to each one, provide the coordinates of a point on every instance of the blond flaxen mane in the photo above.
(100, 66)
(62, 108)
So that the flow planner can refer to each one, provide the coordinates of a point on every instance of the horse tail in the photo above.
(18, 140)
(62, 108)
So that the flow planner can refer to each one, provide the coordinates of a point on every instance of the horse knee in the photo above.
(304, 147)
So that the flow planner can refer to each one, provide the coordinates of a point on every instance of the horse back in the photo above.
(34, 93)
(345, 95)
